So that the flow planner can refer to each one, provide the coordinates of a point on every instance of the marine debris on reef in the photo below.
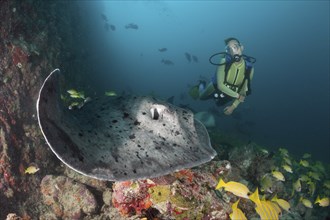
(121, 138)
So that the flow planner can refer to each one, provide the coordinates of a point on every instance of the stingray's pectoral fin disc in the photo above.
(51, 119)
(121, 138)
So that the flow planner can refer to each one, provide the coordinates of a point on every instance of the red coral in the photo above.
(185, 174)
(164, 180)
(19, 56)
(131, 197)
(9, 178)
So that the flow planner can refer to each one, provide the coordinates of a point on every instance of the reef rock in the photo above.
(68, 199)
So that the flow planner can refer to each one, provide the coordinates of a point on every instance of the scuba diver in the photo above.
(232, 79)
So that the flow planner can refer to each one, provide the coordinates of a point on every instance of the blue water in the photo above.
(289, 105)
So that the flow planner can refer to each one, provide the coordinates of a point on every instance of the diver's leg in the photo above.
(207, 92)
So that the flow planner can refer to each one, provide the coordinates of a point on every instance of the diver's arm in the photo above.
(221, 83)
(236, 103)
(251, 73)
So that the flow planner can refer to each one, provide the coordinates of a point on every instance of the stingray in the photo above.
(121, 138)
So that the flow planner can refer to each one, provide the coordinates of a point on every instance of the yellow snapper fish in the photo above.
(31, 170)
(267, 211)
(74, 104)
(78, 96)
(314, 175)
(264, 209)
(273, 208)
(72, 91)
(326, 184)
(306, 156)
(276, 207)
(311, 188)
(318, 167)
(278, 175)
(254, 197)
(297, 185)
(266, 183)
(63, 97)
(237, 212)
(304, 178)
(272, 204)
(110, 93)
(282, 203)
(284, 152)
(287, 168)
(75, 94)
(287, 160)
(304, 163)
(324, 202)
(264, 151)
(306, 202)
(236, 188)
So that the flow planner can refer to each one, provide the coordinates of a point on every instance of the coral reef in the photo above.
(187, 197)
(190, 194)
(131, 197)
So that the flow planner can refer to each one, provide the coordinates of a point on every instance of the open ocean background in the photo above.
(289, 105)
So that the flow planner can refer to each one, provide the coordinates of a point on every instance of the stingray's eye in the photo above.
(154, 113)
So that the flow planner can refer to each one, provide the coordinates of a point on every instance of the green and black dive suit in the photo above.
(231, 80)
